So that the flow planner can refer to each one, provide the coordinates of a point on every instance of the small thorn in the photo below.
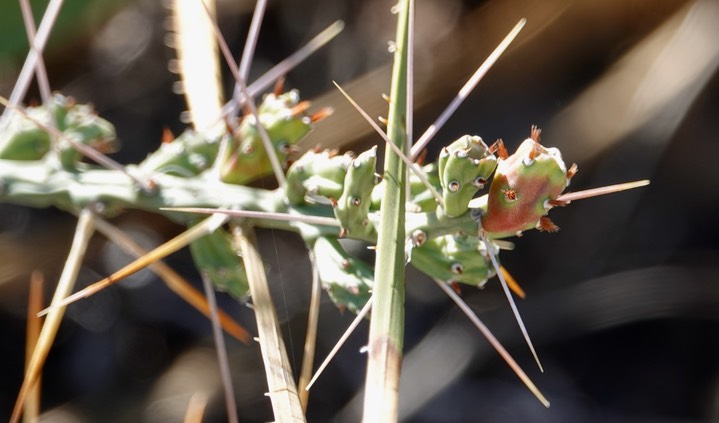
(279, 86)
(534, 133)
(167, 136)
(386, 98)
(455, 287)
(498, 147)
(513, 285)
(383, 120)
(546, 225)
(321, 114)
(573, 169)
(300, 108)
(421, 158)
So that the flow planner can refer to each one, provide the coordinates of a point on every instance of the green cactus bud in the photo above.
(317, 173)
(214, 256)
(188, 155)
(352, 208)
(25, 140)
(464, 168)
(523, 189)
(454, 258)
(348, 280)
(286, 123)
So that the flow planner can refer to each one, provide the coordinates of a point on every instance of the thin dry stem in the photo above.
(83, 233)
(201, 229)
(31, 410)
(280, 381)
(221, 349)
(308, 358)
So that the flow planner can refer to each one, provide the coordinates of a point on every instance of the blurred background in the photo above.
(622, 303)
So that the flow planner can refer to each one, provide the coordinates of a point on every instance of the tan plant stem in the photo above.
(280, 381)
(83, 233)
(308, 357)
(34, 324)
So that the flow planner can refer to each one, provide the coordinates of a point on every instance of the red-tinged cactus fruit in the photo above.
(524, 188)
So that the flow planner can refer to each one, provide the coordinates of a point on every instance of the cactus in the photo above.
(453, 240)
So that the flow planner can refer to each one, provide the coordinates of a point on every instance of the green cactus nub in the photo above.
(25, 140)
(318, 173)
(188, 155)
(348, 280)
(352, 208)
(286, 123)
(454, 258)
(465, 166)
(215, 257)
(523, 189)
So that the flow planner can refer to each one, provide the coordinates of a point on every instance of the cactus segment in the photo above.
(286, 123)
(348, 280)
(352, 208)
(188, 155)
(523, 190)
(215, 257)
(454, 258)
(319, 173)
(24, 140)
(465, 166)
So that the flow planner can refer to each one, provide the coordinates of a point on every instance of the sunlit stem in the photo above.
(594, 192)
(203, 228)
(221, 351)
(464, 92)
(83, 233)
(361, 315)
(250, 103)
(510, 299)
(493, 341)
(412, 166)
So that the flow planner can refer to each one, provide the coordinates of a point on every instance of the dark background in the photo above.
(622, 303)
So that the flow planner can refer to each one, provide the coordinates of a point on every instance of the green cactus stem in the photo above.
(352, 208)
(24, 140)
(347, 280)
(454, 258)
(465, 166)
(286, 123)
